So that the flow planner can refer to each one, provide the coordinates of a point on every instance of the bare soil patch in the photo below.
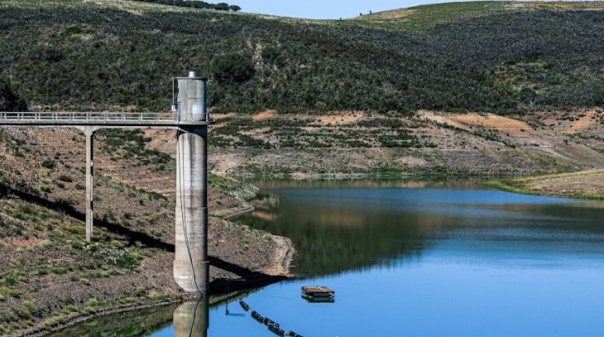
(589, 184)
(268, 114)
(471, 121)
(341, 118)
(388, 15)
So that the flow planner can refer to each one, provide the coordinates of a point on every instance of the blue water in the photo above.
(485, 263)
(428, 262)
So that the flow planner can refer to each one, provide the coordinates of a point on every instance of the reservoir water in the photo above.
(415, 260)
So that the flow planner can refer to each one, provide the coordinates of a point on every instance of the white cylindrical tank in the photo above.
(192, 98)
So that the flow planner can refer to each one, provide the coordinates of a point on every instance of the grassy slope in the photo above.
(584, 184)
(487, 56)
(49, 274)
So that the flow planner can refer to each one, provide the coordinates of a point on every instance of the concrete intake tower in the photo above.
(191, 265)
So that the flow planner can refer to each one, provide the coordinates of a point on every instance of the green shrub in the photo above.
(12, 278)
(272, 55)
(232, 67)
(140, 291)
(93, 302)
(66, 178)
(58, 270)
(49, 164)
(9, 99)
(31, 306)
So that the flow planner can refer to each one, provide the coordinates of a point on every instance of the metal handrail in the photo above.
(87, 116)
(100, 119)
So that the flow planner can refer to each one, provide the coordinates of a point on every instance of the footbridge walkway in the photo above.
(98, 119)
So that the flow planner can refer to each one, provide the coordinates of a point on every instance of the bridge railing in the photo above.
(88, 117)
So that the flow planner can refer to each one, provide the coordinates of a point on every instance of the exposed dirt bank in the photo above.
(50, 277)
(584, 184)
(230, 264)
(350, 144)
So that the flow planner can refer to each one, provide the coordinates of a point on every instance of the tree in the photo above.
(232, 67)
(222, 6)
(197, 4)
(271, 54)
(9, 100)
(234, 8)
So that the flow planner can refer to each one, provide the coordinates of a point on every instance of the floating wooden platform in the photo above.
(318, 294)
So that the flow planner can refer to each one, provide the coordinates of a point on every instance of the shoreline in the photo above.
(277, 270)
(588, 185)
(43, 331)
(279, 265)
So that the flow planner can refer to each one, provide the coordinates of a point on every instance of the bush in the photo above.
(221, 6)
(9, 99)
(232, 67)
(66, 178)
(58, 270)
(49, 164)
(272, 55)
(11, 278)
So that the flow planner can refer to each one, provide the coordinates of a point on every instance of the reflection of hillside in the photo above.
(331, 238)
(130, 324)
(190, 319)
(263, 215)
(341, 229)
(450, 183)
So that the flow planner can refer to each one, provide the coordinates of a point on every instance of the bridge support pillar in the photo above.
(191, 265)
(89, 132)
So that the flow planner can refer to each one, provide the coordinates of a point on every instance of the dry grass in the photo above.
(561, 4)
(388, 15)
(583, 184)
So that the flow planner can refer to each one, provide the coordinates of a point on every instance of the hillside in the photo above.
(49, 274)
(503, 57)
(482, 88)
(285, 91)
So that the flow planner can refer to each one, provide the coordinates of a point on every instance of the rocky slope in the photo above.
(430, 144)
(50, 275)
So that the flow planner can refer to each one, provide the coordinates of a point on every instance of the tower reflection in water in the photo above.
(191, 319)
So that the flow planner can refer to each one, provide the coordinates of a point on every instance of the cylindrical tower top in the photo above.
(192, 98)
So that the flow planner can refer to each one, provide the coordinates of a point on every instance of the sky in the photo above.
(327, 9)
(324, 9)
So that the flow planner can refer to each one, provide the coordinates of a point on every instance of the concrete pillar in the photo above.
(191, 319)
(191, 265)
(89, 132)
